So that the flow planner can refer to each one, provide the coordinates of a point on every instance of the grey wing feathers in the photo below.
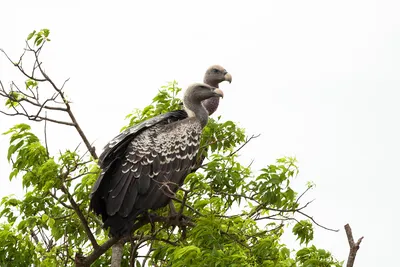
(150, 164)
(124, 137)
(144, 172)
(115, 150)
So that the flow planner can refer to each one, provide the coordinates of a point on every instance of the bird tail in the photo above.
(120, 226)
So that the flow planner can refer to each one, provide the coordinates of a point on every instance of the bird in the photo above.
(213, 77)
(144, 171)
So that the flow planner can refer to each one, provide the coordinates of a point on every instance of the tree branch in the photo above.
(116, 257)
(313, 220)
(353, 246)
(69, 111)
(36, 118)
(84, 222)
(19, 66)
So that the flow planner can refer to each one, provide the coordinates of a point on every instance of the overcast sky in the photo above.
(319, 80)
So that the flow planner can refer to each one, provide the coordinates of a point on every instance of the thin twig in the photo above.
(245, 143)
(36, 118)
(61, 202)
(313, 220)
(45, 136)
(302, 194)
(19, 66)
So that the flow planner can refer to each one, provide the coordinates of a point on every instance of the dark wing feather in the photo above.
(116, 149)
(129, 199)
(117, 195)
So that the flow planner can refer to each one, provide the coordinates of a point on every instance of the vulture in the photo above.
(143, 166)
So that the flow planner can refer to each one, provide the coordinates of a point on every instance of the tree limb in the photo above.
(117, 252)
(353, 246)
(84, 222)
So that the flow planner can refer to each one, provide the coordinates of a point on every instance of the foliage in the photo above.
(313, 257)
(234, 216)
(304, 231)
(40, 36)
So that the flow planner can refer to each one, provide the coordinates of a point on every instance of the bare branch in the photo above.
(36, 118)
(302, 194)
(45, 136)
(19, 66)
(244, 144)
(353, 246)
(313, 220)
(42, 106)
(69, 111)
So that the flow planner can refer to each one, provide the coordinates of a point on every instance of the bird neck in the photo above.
(212, 103)
(198, 112)
(211, 82)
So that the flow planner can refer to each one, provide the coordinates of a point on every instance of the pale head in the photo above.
(194, 95)
(215, 75)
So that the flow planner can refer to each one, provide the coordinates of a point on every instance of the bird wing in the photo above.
(119, 143)
(154, 166)
(114, 151)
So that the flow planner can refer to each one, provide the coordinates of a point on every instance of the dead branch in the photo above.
(353, 246)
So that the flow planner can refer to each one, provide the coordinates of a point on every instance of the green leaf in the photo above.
(38, 41)
(45, 217)
(31, 35)
(46, 32)
(304, 231)
(51, 222)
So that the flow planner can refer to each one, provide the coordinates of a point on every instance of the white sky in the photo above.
(318, 79)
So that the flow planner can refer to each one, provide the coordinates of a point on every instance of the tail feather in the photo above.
(120, 226)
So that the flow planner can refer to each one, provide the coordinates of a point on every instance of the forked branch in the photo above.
(354, 246)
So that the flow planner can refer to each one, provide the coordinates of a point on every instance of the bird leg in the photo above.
(173, 217)
(151, 221)
(176, 217)
(172, 210)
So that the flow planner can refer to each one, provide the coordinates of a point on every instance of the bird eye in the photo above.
(215, 70)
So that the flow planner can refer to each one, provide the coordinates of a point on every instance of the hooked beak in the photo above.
(219, 92)
(228, 77)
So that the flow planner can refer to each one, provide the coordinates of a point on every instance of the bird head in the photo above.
(198, 92)
(216, 74)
